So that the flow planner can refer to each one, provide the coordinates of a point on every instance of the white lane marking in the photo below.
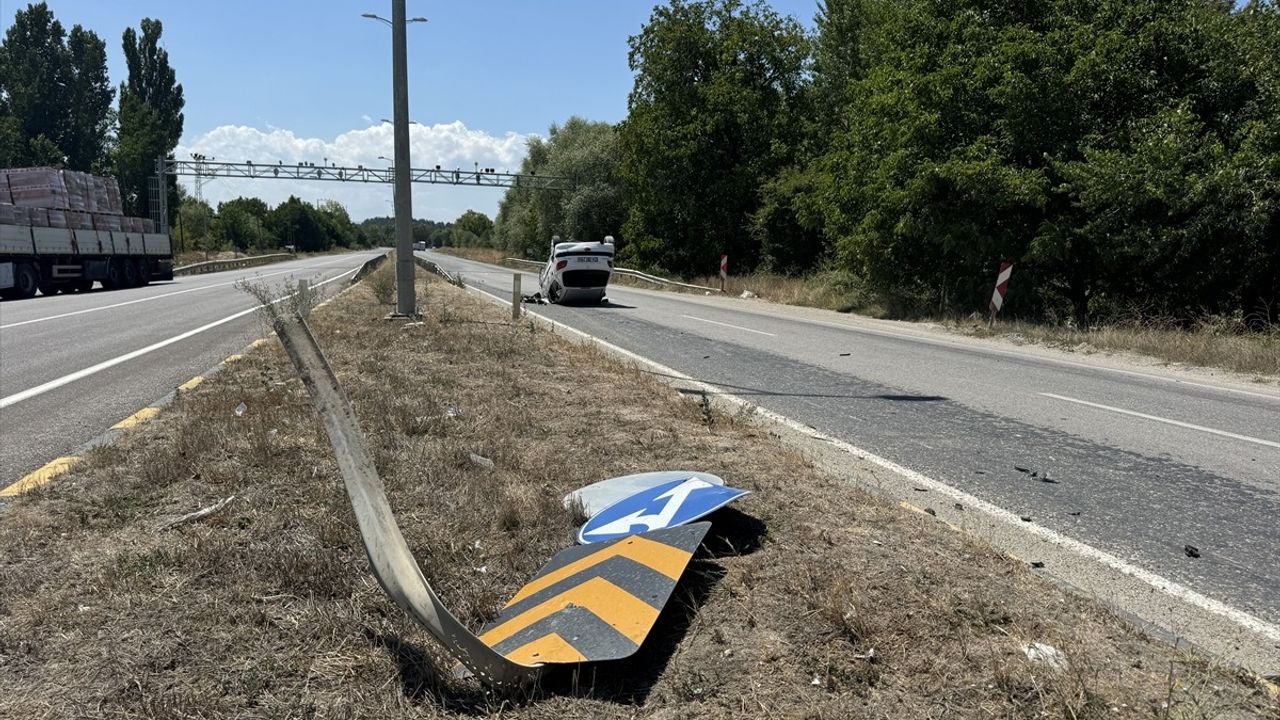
(1167, 421)
(953, 344)
(81, 374)
(735, 327)
(165, 295)
(1158, 582)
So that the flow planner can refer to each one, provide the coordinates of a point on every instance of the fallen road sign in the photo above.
(594, 602)
(597, 602)
(673, 503)
(598, 496)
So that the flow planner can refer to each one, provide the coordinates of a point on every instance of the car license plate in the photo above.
(589, 259)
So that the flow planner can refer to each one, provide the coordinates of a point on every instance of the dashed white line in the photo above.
(94, 369)
(1167, 421)
(735, 327)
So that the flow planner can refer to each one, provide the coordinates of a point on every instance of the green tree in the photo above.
(33, 84)
(716, 112)
(472, 229)
(151, 118)
(298, 224)
(589, 153)
(55, 97)
(241, 223)
(85, 139)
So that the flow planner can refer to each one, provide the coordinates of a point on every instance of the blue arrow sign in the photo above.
(667, 505)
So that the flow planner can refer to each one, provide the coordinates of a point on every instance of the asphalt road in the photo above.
(1141, 464)
(71, 366)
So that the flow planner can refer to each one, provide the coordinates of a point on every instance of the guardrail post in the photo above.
(304, 298)
(515, 296)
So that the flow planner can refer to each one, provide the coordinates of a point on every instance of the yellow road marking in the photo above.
(51, 470)
(911, 507)
(663, 558)
(137, 418)
(627, 613)
(546, 649)
(232, 359)
(259, 342)
(191, 384)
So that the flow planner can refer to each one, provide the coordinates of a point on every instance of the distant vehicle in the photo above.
(62, 231)
(577, 272)
(419, 245)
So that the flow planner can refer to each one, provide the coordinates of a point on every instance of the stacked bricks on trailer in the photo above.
(63, 231)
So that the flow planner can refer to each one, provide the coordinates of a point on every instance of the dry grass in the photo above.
(489, 255)
(1212, 343)
(812, 600)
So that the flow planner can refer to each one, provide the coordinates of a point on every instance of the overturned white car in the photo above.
(577, 272)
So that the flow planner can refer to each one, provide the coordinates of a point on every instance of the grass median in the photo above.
(812, 599)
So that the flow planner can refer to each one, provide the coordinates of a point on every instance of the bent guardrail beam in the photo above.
(389, 556)
(209, 266)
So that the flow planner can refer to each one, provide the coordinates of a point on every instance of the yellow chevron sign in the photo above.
(594, 602)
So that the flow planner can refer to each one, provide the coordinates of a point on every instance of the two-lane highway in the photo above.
(1138, 464)
(73, 365)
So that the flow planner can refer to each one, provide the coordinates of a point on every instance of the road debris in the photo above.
(669, 504)
(240, 409)
(481, 461)
(1191, 550)
(200, 514)
(1045, 654)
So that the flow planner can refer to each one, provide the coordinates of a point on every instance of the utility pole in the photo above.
(406, 299)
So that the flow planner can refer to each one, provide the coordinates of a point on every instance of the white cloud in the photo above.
(450, 145)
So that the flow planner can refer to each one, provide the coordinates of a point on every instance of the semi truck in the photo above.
(63, 231)
(54, 260)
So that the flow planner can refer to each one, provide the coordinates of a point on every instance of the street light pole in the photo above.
(406, 300)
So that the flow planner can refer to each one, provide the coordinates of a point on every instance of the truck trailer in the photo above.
(54, 260)
(62, 231)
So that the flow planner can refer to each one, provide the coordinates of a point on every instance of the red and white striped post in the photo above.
(1002, 288)
(724, 270)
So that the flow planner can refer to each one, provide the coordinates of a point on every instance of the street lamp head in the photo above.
(371, 16)
(417, 19)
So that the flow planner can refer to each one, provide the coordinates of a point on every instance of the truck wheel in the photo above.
(130, 272)
(49, 289)
(26, 280)
(144, 272)
(115, 275)
(82, 286)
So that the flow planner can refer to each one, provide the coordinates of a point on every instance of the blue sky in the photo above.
(276, 79)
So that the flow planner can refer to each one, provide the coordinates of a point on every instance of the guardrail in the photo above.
(632, 273)
(369, 266)
(429, 266)
(209, 266)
